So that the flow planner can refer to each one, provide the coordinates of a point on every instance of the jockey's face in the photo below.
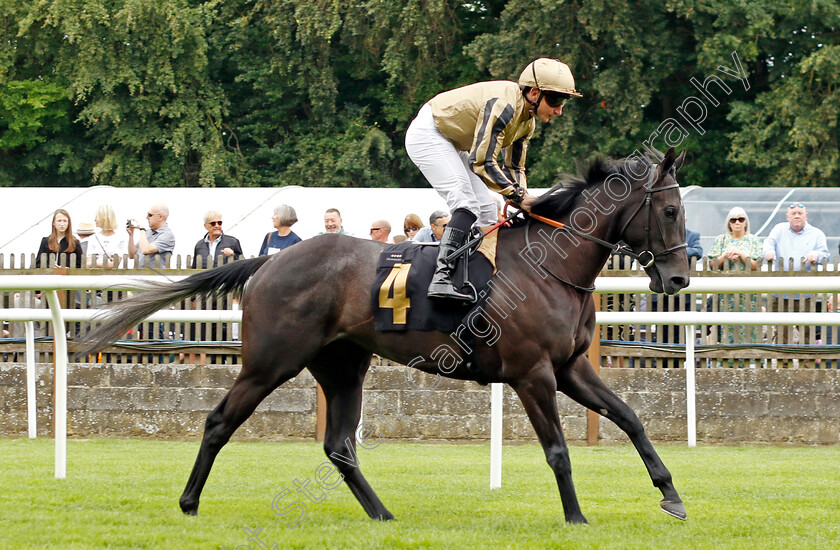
(544, 111)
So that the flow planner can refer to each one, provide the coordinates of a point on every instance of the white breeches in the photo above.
(448, 170)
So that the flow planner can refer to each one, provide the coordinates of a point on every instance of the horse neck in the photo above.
(576, 259)
(554, 251)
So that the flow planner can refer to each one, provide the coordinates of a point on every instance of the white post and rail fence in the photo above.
(51, 284)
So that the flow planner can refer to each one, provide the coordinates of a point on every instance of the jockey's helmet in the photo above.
(549, 75)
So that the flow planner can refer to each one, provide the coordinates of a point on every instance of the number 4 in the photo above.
(394, 286)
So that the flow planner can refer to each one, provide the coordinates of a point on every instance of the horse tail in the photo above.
(117, 317)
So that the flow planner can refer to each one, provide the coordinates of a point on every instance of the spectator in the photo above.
(790, 242)
(284, 218)
(332, 222)
(796, 239)
(215, 243)
(380, 230)
(60, 241)
(400, 239)
(437, 223)
(411, 225)
(106, 248)
(154, 246)
(737, 249)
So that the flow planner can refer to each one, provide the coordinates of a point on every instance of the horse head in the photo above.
(652, 221)
(633, 201)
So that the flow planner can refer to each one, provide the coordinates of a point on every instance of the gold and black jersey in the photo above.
(488, 119)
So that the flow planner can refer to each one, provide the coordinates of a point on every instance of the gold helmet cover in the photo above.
(549, 75)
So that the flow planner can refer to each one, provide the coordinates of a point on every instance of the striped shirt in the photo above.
(488, 119)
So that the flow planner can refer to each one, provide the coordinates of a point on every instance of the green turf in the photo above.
(124, 494)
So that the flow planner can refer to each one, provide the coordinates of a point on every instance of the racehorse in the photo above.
(309, 306)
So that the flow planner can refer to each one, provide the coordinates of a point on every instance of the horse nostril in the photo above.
(679, 282)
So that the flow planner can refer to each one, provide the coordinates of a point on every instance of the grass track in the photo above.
(124, 494)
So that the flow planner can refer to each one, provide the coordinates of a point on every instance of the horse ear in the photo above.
(664, 165)
(679, 161)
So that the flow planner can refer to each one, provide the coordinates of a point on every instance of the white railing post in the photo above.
(496, 410)
(31, 407)
(60, 338)
(690, 388)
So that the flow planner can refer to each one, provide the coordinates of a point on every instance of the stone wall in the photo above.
(172, 401)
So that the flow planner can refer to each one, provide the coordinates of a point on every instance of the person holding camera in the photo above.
(154, 245)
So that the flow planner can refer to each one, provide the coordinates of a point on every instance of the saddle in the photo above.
(403, 274)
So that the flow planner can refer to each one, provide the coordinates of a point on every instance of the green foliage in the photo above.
(320, 92)
(31, 110)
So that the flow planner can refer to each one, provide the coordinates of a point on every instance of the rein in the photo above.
(646, 258)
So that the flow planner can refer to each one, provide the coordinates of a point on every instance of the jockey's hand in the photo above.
(527, 201)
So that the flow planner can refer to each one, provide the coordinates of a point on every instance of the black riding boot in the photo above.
(454, 237)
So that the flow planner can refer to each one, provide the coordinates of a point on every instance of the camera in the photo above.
(128, 224)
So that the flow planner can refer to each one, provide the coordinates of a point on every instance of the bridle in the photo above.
(646, 258)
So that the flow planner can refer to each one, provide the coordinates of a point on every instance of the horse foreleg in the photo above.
(579, 381)
(342, 385)
(538, 395)
(236, 406)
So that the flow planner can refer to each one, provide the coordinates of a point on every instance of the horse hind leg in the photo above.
(580, 382)
(249, 389)
(340, 369)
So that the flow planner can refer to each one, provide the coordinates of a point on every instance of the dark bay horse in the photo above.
(309, 306)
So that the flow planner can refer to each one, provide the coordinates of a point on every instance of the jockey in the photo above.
(457, 136)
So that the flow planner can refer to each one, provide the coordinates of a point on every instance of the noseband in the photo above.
(646, 258)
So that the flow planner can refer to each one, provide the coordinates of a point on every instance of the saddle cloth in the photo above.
(403, 274)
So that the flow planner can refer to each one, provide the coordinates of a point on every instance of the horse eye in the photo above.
(671, 212)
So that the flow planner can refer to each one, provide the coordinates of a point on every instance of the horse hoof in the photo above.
(189, 509)
(387, 516)
(672, 508)
(578, 519)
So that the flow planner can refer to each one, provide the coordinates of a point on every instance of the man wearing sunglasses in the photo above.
(154, 246)
(215, 243)
(456, 141)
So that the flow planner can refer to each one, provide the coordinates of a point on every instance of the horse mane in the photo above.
(559, 198)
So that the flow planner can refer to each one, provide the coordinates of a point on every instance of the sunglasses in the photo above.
(556, 99)
(149, 215)
(372, 229)
(407, 229)
(219, 223)
(740, 220)
(796, 205)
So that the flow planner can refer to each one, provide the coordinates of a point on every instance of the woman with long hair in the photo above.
(61, 241)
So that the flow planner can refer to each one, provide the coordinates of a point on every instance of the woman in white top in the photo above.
(107, 247)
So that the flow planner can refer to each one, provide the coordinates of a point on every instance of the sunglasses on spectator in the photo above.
(796, 205)
(742, 219)
(556, 99)
(407, 229)
(219, 223)
(372, 229)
